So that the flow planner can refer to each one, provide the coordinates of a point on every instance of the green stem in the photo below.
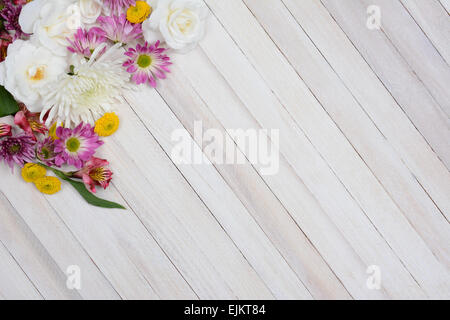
(63, 175)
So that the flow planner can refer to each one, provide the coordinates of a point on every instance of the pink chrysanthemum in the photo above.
(119, 29)
(45, 151)
(147, 63)
(74, 147)
(85, 41)
(119, 5)
(10, 13)
(17, 150)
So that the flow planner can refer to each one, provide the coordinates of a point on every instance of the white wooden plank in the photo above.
(377, 102)
(116, 241)
(313, 171)
(359, 183)
(256, 196)
(446, 5)
(44, 246)
(434, 21)
(221, 201)
(14, 284)
(396, 74)
(372, 199)
(416, 48)
(49, 279)
(179, 221)
(122, 249)
(355, 124)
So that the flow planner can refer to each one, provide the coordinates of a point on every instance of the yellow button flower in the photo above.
(32, 172)
(52, 131)
(139, 13)
(48, 185)
(107, 125)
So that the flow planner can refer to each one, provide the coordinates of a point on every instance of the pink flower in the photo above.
(119, 29)
(17, 150)
(45, 151)
(85, 41)
(10, 13)
(95, 173)
(117, 6)
(5, 130)
(147, 63)
(74, 147)
(29, 122)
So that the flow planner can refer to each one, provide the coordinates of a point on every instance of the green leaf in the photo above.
(91, 198)
(86, 194)
(8, 105)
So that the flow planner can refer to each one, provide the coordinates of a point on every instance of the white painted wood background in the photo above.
(364, 168)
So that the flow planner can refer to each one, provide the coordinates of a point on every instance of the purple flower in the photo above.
(147, 63)
(119, 29)
(10, 13)
(75, 147)
(85, 41)
(117, 6)
(45, 151)
(17, 150)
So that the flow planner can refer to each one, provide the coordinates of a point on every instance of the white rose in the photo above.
(90, 10)
(180, 23)
(51, 22)
(29, 70)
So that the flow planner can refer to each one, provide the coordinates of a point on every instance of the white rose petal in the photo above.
(90, 10)
(51, 22)
(2, 74)
(179, 23)
(30, 69)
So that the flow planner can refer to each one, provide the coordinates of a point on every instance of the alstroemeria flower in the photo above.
(5, 130)
(29, 122)
(95, 173)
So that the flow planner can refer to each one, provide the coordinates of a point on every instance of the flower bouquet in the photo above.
(64, 65)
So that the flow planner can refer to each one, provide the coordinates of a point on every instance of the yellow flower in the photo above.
(139, 13)
(107, 125)
(32, 172)
(48, 185)
(52, 131)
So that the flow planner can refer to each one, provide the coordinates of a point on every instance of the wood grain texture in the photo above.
(363, 177)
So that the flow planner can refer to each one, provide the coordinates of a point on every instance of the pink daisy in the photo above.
(119, 29)
(85, 41)
(147, 63)
(74, 147)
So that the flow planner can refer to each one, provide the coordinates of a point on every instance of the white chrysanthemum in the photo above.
(93, 90)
